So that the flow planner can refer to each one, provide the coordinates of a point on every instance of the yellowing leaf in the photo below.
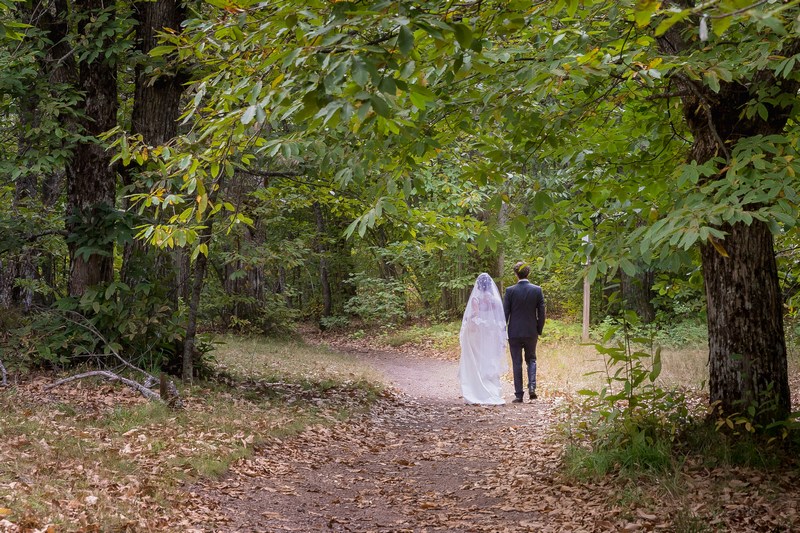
(718, 246)
(644, 10)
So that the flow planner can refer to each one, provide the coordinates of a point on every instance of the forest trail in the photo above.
(422, 461)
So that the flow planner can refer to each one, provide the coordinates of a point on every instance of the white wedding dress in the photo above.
(483, 345)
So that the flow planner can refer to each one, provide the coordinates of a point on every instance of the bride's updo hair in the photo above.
(483, 282)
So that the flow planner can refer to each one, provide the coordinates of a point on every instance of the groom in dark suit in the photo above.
(524, 308)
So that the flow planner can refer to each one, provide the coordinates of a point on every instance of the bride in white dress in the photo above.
(483, 344)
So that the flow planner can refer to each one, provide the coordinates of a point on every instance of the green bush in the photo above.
(635, 423)
(245, 314)
(334, 323)
(135, 323)
(664, 331)
(442, 335)
(377, 300)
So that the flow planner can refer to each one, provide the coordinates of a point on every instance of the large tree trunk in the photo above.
(91, 180)
(156, 108)
(747, 349)
(156, 104)
(747, 346)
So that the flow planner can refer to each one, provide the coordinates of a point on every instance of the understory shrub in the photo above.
(377, 300)
(631, 424)
(267, 314)
(691, 330)
(133, 322)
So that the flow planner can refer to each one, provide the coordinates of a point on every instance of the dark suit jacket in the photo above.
(524, 308)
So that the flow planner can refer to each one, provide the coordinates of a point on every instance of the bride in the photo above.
(483, 344)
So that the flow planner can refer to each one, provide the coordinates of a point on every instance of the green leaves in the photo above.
(644, 10)
(463, 35)
(405, 41)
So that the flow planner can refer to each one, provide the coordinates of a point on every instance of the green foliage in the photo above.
(672, 330)
(635, 423)
(720, 446)
(377, 301)
(561, 330)
(135, 323)
(334, 322)
(441, 335)
(637, 455)
(271, 315)
(95, 231)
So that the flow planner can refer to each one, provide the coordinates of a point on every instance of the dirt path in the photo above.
(422, 461)
(419, 461)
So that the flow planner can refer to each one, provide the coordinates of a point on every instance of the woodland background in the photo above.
(171, 170)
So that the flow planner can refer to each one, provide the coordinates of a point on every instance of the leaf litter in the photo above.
(417, 463)
(412, 462)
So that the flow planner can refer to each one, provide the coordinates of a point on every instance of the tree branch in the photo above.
(676, 94)
(703, 100)
(35, 236)
(174, 400)
(4, 379)
(147, 393)
(273, 173)
(738, 11)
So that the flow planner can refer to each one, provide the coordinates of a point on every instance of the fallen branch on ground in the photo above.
(172, 396)
(147, 393)
(4, 376)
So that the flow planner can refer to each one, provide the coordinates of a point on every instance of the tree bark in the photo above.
(747, 349)
(323, 262)
(156, 108)
(200, 268)
(156, 104)
(91, 180)
(24, 263)
(637, 294)
(747, 346)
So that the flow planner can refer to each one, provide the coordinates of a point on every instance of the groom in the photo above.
(524, 308)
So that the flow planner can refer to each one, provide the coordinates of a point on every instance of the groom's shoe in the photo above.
(516, 400)
(533, 395)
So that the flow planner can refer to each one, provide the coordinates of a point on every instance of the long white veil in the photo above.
(483, 344)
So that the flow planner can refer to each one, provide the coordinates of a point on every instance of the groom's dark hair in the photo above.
(522, 270)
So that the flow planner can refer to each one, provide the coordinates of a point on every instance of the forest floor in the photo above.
(420, 460)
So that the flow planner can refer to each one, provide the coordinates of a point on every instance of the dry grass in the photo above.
(571, 366)
(268, 359)
(97, 457)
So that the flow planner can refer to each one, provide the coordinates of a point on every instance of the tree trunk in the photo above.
(156, 104)
(156, 108)
(91, 184)
(24, 263)
(323, 262)
(747, 346)
(200, 267)
(21, 264)
(637, 294)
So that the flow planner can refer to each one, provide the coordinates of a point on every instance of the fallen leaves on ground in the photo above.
(410, 466)
(98, 457)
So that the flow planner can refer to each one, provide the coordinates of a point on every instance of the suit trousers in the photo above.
(517, 346)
